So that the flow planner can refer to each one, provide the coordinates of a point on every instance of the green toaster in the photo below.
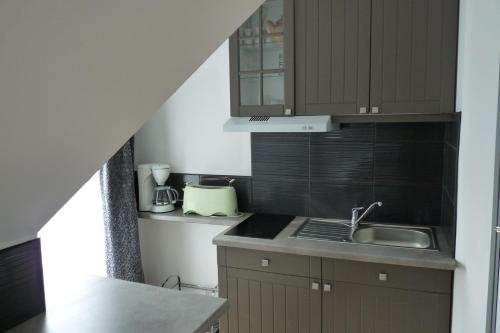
(210, 200)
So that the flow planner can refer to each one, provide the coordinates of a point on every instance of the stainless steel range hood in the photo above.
(280, 124)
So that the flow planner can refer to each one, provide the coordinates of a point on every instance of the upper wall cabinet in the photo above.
(332, 56)
(346, 58)
(375, 56)
(413, 56)
(262, 64)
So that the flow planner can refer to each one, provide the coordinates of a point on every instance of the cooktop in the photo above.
(261, 226)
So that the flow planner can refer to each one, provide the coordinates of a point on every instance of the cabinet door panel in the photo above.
(267, 307)
(413, 56)
(354, 308)
(261, 62)
(232, 296)
(243, 305)
(222, 279)
(255, 302)
(266, 302)
(332, 56)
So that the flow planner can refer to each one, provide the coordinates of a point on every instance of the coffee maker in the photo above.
(154, 196)
(164, 197)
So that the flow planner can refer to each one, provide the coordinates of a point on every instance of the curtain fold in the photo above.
(121, 228)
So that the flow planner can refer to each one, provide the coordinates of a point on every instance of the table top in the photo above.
(95, 304)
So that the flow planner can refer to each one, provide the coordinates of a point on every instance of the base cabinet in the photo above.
(355, 308)
(266, 302)
(332, 296)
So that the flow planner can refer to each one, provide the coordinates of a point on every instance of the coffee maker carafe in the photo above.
(164, 197)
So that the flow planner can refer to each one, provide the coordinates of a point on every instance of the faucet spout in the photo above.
(355, 212)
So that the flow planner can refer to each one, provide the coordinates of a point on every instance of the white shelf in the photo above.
(178, 216)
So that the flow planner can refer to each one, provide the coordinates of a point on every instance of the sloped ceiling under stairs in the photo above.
(80, 77)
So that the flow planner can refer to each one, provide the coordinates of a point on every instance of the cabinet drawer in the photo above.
(392, 276)
(281, 263)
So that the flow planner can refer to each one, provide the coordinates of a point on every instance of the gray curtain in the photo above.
(121, 229)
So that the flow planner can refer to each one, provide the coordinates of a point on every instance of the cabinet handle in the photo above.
(265, 262)
(315, 286)
(362, 110)
(382, 276)
(375, 109)
(327, 287)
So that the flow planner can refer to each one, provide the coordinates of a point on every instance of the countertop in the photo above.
(436, 259)
(94, 304)
(178, 216)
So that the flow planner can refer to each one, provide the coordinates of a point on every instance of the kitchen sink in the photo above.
(419, 238)
(367, 233)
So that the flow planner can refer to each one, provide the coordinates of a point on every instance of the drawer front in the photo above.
(280, 263)
(392, 276)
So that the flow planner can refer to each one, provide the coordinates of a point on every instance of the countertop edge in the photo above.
(178, 216)
(216, 315)
(445, 263)
(441, 259)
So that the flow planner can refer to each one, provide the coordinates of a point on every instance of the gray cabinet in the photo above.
(269, 292)
(345, 58)
(332, 56)
(383, 57)
(261, 57)
(367, 297)
(357, 308)
(413, 56)
(276, 292)
(268, 302)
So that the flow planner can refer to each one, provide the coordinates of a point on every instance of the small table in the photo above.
(96, 304)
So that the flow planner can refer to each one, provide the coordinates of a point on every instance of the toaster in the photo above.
(210, 200)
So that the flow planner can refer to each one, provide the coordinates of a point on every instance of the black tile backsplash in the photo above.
(409, 204)
(330, 199)
(276, 195)
(410, 167)
(450, 174)
(408, 163)
(280, 155)
(409, 132)
(342, 158)
(400, 164)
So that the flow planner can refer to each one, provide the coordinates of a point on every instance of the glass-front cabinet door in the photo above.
(261, 62)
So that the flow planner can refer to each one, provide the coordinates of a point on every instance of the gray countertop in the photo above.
(441, 259)
(178, 216)
(94, 304)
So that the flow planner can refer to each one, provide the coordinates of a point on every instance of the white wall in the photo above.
(73, 239)
(78, 78)
(184, 249)
(478, 80)
(187, 131)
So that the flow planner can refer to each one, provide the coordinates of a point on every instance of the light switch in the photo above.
(327, 287)
(375, 109)
(264, 262)
(362, 109)
(315, 286)
(382, 276)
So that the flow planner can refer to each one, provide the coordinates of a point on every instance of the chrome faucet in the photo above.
(355, 212)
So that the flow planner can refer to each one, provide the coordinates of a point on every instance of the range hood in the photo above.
(280, 124)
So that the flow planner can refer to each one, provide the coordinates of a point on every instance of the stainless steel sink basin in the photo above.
(420, 238)
(367, 233)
